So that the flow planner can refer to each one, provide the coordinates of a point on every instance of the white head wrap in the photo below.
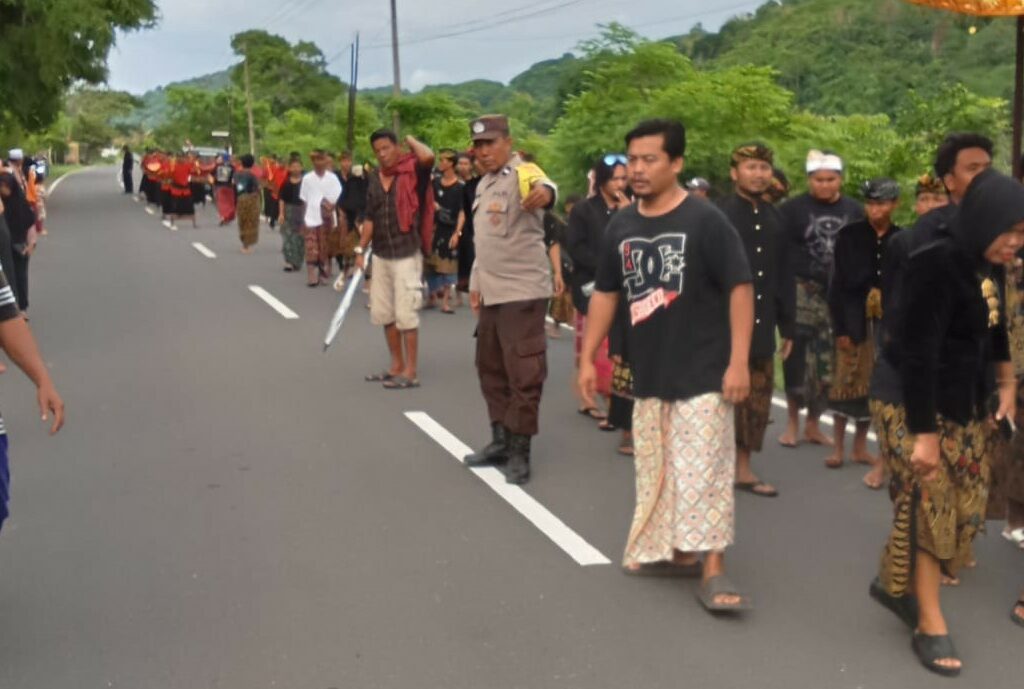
(818, 161)
(16, 154)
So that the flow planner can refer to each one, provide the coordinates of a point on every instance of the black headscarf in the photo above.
(993, 204)
(19, 214)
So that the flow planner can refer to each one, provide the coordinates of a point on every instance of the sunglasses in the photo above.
(614, 159)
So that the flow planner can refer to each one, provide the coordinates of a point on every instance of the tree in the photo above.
(47, 46)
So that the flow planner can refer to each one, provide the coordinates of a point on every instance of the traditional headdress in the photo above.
(753, 151)
(818, 161)
(927, 184)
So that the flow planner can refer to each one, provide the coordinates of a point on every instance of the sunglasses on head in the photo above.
(614, 159)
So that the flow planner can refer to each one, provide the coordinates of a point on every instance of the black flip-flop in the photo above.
(378, 377)
(719, 585)
(448, 312)
(400, 383)
(752, 488)
(606, 427)
(929, 649)
(1017, 619)
(592, 412)
(904, 607)
(667, 569)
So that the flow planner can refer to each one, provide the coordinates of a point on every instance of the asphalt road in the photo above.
(229, 507)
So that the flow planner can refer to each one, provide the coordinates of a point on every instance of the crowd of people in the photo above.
(687, 307)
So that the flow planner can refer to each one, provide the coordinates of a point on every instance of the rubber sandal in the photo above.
(929, 649)
(400, 383)
(667, 569)
(1015, 536)
(448, 312)
(1017, 619)
(752, 487)
(593, 413)
(904, 607)
(788, 446)
(606, 427)
(626, 449)
(378, 377)
(716, 586)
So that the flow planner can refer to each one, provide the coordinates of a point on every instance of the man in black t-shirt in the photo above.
(683, 272)
(813, 221)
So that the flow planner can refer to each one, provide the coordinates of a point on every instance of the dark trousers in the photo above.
(511, 360)
(129, 185)
(21, 279)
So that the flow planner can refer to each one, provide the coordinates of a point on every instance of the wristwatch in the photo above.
(358, 251)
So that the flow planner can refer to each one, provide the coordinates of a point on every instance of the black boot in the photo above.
(495, 453)
(518, 470)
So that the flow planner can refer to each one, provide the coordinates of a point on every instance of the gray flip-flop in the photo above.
(400, 383)
(719, 585)
(667, 569)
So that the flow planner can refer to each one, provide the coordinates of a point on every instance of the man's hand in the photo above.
(844, 343)
(785, 349)
(541, 196)
(1007, 401)
(925, 458)
(474, 303)
(736, 383)
(51, 403)
(588, 383)
(453, 243)
(559, 284)
(361, 262)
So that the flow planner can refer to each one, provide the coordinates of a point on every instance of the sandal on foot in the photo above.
(378, 377)
(400, 383)
(593, 413)
(625, 449)
(719, 585)
(606, 426)
(1018, 619)
(931, 649)
(757, 488)
(667, 569)
(904, 607)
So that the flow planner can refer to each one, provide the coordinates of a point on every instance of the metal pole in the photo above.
(396, 90)
(1018, 102)
(350, 139)
(248, 107)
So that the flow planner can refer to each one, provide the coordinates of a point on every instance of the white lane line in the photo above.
(273, 302)
(825, 419)
(551, 526)
(201, 248)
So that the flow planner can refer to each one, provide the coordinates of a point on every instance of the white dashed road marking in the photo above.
(201, 248)
(273, 302)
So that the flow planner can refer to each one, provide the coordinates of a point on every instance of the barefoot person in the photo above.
(399, 222)
(509, 289)
(949, 332)
(855, 303)
(813, 220)
(690, 355)
(767, 249)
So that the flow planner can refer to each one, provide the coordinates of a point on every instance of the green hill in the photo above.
(153, 111)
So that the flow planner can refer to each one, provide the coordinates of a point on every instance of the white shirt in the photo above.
(314, 191)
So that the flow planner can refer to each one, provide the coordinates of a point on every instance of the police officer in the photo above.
(510, 285)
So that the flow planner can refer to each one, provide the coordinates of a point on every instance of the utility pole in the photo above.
(396, 90)
(353, 87)
(248, 105)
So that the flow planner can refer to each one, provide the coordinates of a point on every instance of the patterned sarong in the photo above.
(753, 414)
(942, 516)
(848, 394)
(248, 208)
(809, 368)
(293, 245)
(225, 203)
(685, 458)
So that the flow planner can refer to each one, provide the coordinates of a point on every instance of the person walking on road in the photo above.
(400, 223)
(127, 165)
(290, 218)
(320, 192)
(510, 285)
(247, 195)
(690, 355)
(767, 248)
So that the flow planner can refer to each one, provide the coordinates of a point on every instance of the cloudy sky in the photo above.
(442, 40)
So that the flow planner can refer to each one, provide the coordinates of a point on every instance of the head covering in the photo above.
(489, 128)
(926, 184)
(818, 161)
(993, 204)
(698, 184)
(881, 189)
(16, 154)
(754, 150)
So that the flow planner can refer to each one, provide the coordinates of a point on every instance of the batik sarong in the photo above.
(248, 207)
(753, 414)
(685, 459)
(320, 249)
(620, 406)
(1007, 465)
(293, 245)
(848, 393)
(809, 368)
(941, 516)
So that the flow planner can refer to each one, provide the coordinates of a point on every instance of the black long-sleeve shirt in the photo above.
(584, 240)
(859, 255)
(764, 237)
